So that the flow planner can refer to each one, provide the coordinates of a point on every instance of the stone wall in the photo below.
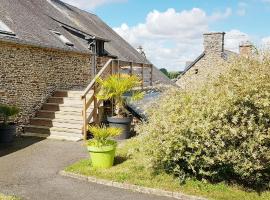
(205, 70)
(29, 75)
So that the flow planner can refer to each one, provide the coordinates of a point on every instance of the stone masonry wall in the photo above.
(29, 75)
(206, 69)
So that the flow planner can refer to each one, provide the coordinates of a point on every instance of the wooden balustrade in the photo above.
(90, 102)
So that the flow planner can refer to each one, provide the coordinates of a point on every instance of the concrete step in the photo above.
(57, 136)
(68, 125)
(68, 93)
(46, 114)
(65, 137)
(60, 135)
(52, 122)
(37, 129)
(41, 122)
(46, 131)
(65, 130)
(28, 134)
(65, 100)
(62, 107)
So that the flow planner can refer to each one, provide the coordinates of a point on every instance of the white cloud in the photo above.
(265, 43)
(241, 10)
(234, 38)
(91, 4)
(171, 38)
(221, 15)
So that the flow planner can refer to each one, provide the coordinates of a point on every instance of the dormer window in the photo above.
(100, 51)
(5, 30)
(63, 39)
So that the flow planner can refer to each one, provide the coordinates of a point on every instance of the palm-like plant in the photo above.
(8, 111)
(102, 134)
(116, 86)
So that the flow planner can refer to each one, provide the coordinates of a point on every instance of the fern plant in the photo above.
(115, 87)
(8, 111)
(102, 134)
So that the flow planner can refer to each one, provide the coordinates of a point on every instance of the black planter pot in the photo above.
(7, 133)
(123, 123)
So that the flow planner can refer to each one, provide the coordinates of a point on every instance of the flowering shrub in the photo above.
(220, 132)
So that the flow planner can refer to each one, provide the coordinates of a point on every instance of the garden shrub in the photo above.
(220, 132)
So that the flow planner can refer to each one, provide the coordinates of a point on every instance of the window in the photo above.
(63, 39)
(4, 29)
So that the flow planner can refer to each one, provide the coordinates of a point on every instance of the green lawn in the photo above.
(132, 169)
(3, 197)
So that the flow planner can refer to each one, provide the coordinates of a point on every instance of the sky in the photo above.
(171, 31)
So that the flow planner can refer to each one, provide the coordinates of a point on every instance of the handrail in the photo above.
(89, 87)
(87, 117)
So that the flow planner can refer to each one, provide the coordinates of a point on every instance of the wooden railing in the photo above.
(91, 104)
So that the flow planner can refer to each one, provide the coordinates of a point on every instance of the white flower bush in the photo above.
(218, 133)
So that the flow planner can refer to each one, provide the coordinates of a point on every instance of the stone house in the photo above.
(47, 47)
(211, 62)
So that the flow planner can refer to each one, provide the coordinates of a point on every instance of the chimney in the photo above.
(245, 49)
(214, 43)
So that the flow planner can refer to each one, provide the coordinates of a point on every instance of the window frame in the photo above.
(63, 38)
(5, 30)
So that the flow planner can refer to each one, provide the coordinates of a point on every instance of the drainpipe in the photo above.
(92, 48)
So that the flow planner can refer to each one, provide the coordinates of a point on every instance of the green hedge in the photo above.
(218, 133)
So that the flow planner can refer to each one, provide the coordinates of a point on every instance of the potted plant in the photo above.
(114, 88)
(101, 147)
(7, 128)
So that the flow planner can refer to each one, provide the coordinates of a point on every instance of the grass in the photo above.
(132, 169)
(3, 197)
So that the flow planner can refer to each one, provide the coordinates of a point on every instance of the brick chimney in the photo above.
(245, 49)
(214, 43)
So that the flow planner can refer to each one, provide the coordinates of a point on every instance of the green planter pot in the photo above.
(102, 157)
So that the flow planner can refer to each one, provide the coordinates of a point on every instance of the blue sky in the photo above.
(170, 31)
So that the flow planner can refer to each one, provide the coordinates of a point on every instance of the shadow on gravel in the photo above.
(18, 144)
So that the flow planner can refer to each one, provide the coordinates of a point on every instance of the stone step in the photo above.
(65, 137)
(68, 125)
(68, 93)
(52, 122)
(46, 114)
(64, 100)
(41, 122)
(28, 134)
(65, 130)
(37, 129)
(56, 136)
(60, 114)
(61, 135)
(46, 131)
(62, 107)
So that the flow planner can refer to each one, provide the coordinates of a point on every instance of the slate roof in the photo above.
(33, 20)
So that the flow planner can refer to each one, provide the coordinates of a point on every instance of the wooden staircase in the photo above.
(60, 118)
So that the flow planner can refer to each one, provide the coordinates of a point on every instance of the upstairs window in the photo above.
(63, 39)
(4, 29)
